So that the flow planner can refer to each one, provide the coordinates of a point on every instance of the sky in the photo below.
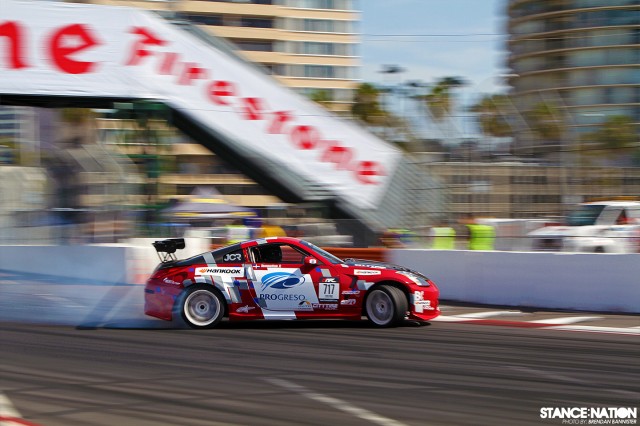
(431, 39)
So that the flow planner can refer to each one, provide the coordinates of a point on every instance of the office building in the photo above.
(308, 45)
(579, 57)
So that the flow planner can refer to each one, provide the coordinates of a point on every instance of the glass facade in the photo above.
(585, 54)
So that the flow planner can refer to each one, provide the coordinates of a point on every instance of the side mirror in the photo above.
(310, 260)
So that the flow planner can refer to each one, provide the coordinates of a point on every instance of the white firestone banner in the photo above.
(81, 50)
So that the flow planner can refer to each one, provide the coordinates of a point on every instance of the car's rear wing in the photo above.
(166, 249)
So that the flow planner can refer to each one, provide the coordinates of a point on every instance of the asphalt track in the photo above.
(311, 373)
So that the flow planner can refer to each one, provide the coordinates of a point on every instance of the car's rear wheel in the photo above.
(202, 307)
(386, 306)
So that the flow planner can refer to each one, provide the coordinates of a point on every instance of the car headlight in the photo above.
(421, 281)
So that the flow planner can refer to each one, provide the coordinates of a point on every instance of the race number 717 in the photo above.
(329, 290)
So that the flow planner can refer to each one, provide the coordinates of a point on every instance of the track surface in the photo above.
(312, 373)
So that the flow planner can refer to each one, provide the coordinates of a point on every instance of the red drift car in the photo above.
(283, 278)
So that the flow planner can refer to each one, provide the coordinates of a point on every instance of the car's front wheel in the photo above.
(201, 307)
(386, 306)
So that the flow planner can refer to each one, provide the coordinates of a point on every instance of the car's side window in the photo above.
(291, 255)
(277, 254)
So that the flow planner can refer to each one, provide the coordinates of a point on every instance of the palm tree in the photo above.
(366, 105)
(616, 138)
(548, 124)
(439, 101)
(492, 111)
(322, 97)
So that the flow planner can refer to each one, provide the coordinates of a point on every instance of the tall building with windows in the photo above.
(309, 45)
(581, 56)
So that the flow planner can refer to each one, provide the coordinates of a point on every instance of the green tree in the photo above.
(492, 111)
(617, 134)
(615, 138)
(548, 124)
(440, 99)
(366, 105)
(322, 97)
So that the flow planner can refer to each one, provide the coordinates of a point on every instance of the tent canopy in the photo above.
(207, 203)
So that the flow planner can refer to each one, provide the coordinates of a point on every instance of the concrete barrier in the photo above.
(591, 282)
(573, 281)
(130, 263)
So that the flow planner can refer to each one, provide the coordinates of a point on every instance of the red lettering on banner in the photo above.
(61, 52)
(140, 47)
(168, 63)
(192, 72)
(305, 137)
(365, 170)
(15, 51)
(220, 89)
(252, 109)
(279, 119)
(337, 154)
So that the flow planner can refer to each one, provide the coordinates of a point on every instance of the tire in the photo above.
(201, 306)
(386, 306)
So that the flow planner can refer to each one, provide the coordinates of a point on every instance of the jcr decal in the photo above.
(232, 257)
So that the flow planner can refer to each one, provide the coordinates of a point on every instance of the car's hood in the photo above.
(373, 265)
(360, 267)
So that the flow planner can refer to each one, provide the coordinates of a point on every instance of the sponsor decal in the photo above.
(283, 296)
(218, 271)
(420, 303)
(366, 272)
(326, 306)
(365, 265)
(591, 415)
(329, 290)
(170, 281)
(351, 292)
(245, 309)
(305, 305)
(232, 257)
(281, 281)
(348, 302)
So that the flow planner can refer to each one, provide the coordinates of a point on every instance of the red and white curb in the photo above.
(9, 416)
(567, 323)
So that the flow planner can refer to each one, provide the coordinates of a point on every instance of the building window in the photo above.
(319, 25)
(256, 22)
(320, 4)
(254, 45)
(202, 19)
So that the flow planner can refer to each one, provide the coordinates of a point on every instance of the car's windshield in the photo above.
(585, 215)
(331, 258)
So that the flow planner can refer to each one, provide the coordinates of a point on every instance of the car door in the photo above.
(281, 281)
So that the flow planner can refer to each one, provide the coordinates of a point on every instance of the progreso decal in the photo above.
(281, 280)
(285, 289)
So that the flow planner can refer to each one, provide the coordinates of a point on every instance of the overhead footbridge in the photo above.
(56, 54)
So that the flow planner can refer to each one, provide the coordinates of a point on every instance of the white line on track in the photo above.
(335, 403)
(7, 410)
(489, 314)
(592, 329)
(6, 407)
(565, 320)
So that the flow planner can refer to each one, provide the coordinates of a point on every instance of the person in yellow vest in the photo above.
(443, 237)
(481, 236)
